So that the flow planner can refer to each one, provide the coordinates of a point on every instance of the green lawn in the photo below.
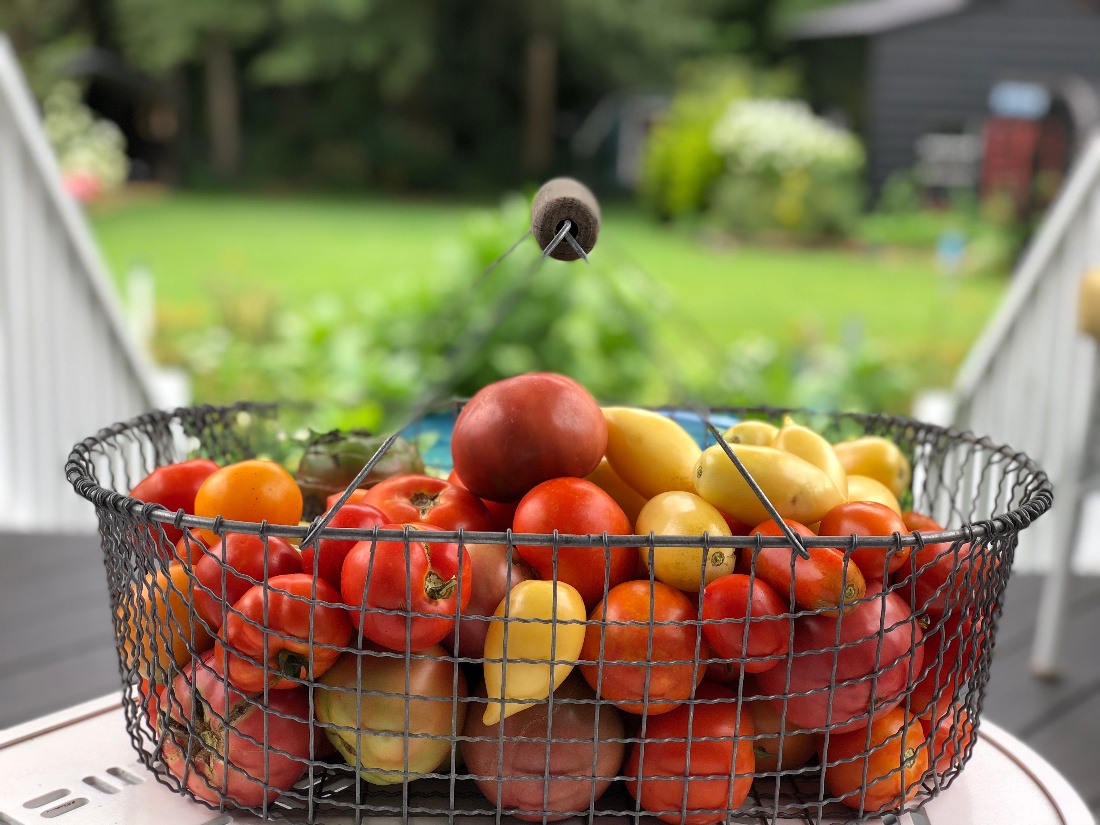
(205, 248)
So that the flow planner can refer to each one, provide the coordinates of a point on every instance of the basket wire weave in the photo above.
(986, 494)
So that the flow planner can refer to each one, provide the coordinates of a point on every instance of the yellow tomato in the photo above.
(877, 457)
(864, 488)
(649, 451)
(252, 490)
(160, 628)
(625, 496)
(684, 514)
(814, 448)
(757, 433)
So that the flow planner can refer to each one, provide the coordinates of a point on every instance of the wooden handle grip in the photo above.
(560, 200)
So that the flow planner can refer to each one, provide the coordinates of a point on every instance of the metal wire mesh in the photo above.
(412, 720)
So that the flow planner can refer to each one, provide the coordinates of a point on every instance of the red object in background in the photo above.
(1009, 159)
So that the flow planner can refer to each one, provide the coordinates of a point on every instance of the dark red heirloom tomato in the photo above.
(516, 433)
(173, 486)
(330, 553)
(647, 634)
(740, 621)
(849, 674)
(721, 760)
(254, 758)
(290, 629)
(936, 576)
(868, 518)
(501, 513)
(576, 507)
(233, 565)
(383, 582)
(427, 500)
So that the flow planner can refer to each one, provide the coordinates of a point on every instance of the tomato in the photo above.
(950, 653)
(500, 512)
(779, 745)
(868, 518)
(327, 560)
(573, 506)
(390, 716)
(254, 757)
(290, 629)
(625, 496)
(649, 451)
(516, 433)
(894, 762)
(253, 490)
(173, 487)
(952, 738)
(935, 577)
(741, 622)
(864, 488)
(677, 513)
(846, 670)
(427, 500)
(496, 571)
(356, 497)
(711, 744)
(161, 632)
(650, 660)
(190, 547)
(382, 582)
(228, 569)
(825, 581)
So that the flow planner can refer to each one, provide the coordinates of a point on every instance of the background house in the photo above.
(1017, 80)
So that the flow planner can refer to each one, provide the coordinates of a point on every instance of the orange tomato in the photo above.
(950, 739)
(892, 755)
(252, 490)
(161, 630)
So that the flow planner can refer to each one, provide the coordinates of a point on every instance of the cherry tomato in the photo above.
(573, 506)
(939, 572)
(868, 518)
(845, 670)
(328, 559)
(233, 565)
(501, 513)
(174, 486)
(742, 621)
(427, 500)
(648, 635)
(290, 629)
(252, 490)
(894, 763)
(720, 760)
(383, 582)
(824, 581)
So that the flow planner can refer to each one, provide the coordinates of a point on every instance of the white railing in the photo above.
(67, 364)
(1030, 379)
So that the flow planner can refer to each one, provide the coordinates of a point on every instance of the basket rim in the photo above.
(1038, 501)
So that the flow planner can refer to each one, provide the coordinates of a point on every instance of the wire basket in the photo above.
(413, 720)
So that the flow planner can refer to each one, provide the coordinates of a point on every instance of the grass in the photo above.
(205, 248)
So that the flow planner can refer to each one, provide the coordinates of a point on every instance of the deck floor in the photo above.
(57, 648)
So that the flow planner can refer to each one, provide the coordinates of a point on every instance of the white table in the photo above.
(79, 764)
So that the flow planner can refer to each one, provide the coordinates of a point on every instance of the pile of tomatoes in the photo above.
(553, 666)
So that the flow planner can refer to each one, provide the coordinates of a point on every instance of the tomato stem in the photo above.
(436, 587)
(290, 664)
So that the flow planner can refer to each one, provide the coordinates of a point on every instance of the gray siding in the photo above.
(934, 74)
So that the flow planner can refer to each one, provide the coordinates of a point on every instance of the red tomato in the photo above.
(936, 576)
(573, 506)
(648, 634)
(519, 432)
(822, 582)
(190, 547)
(740, 622)
(266, 743)
(720, 767)
(500, 512)
(868, 518)
(232, 566)
(383, 582)
(253, 490)
(894, 763)
(174, 486)
(356, 497)
(840, 677)
(950, 654)
(426, 500)
(291, 629)
(328, 559)
(952, 738)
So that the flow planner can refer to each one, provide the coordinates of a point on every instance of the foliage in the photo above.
(786, 170)
(681, 165)
(89, 149)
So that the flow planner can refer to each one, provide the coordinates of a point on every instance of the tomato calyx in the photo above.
(717, 558)
(424, 502)
(291, 664)
(436, 587)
